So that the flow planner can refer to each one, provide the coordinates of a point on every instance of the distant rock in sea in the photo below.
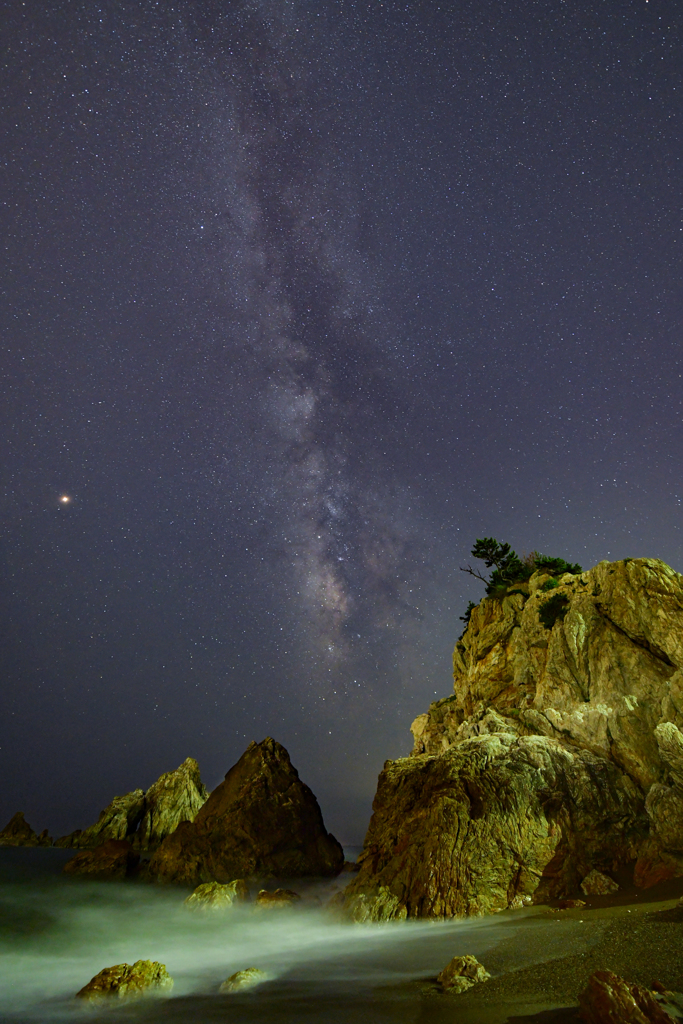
(558, 757)
(18, 832)
(260, 822)
(145, 818)
(114, 859)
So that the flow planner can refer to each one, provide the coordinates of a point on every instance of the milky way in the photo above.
(300, 299)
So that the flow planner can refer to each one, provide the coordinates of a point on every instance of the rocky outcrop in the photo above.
(18, 832)
(260, 822)
(560, 752)
(608, 999)
(214, 896)
(279, 899)
(145, 818)
(241, 980)
(126, 981)
(113, 860)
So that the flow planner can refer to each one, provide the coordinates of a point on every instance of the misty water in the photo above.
(57, 932)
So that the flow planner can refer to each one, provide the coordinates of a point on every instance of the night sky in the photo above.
(300, 297)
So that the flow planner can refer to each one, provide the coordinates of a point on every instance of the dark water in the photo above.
(56, 933)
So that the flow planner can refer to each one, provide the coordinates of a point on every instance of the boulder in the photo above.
(276, 900)
(559, 752)
(214, 896)
(145, 818)
(608, 999)
(260, 822)
(241, 980)
(598, 884)
(18, 832)
(115, 859)
(144, 977)
(462, 973)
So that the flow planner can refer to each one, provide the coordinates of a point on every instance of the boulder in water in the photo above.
(278, 899)
(214, 896)
(144, 977)
(241, 980)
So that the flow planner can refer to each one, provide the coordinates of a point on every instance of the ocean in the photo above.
(57, 932)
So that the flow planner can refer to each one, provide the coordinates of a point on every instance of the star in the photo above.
(64, 499)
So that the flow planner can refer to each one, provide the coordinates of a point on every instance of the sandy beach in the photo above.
(636, 934)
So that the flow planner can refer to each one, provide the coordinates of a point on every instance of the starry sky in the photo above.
(300, 297)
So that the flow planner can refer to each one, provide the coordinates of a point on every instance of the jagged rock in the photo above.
(608, 999)
(144, 977)
(118, 820)
(175, 796)
(261, 822)
(278, 899)
(114, 859)
(144, 819)
(241, 980)
(567, 713)
(493, 818)
(18, 832)
(70, 841)
(598, 884)
(462, 973)
(214, 896)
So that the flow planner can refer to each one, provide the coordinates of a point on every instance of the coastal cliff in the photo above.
(560, 751)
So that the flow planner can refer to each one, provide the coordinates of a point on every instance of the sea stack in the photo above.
(262, 821)
(560, 752)
(142, 818)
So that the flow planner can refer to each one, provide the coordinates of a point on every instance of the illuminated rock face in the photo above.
(145, 818)
(559, 752)
(261, 822)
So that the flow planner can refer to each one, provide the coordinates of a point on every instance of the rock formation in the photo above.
(559, 752)
(279, 899)
(18, 832)
(214, 896)
(461, 973)
(260, 822)
(125, 981)
(112, 860)
(608, 999)
(144, 819)
(241, 980)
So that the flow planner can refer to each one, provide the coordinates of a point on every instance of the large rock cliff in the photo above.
(145, 818)
(262, 821)
(560, 750)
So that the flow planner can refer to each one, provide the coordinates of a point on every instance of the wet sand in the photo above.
(637, 935)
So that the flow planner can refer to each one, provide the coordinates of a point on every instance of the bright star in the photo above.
(64, 499)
